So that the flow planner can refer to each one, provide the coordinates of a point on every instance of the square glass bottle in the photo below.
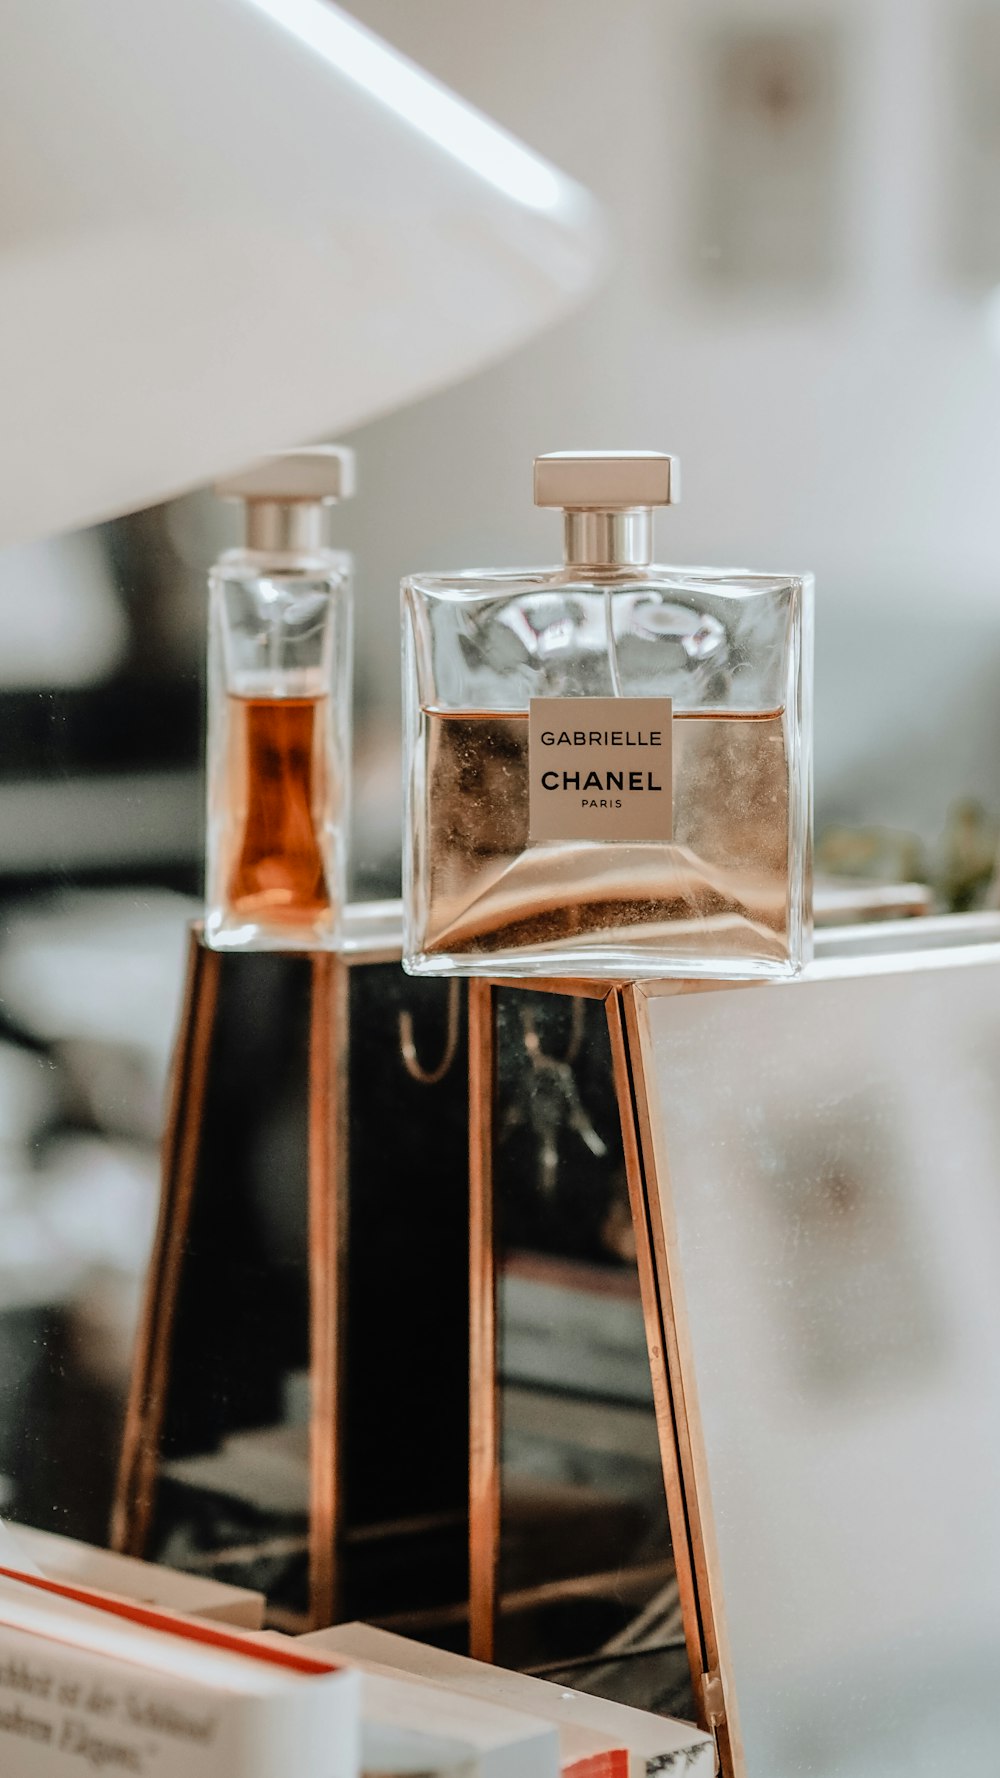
(279, 712)
(608, 763)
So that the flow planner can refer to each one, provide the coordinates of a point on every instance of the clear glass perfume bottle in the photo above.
(279, 691)
(608, 763)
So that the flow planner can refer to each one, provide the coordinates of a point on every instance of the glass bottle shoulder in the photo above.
(703, 636)
(471, 586)
(328, 569)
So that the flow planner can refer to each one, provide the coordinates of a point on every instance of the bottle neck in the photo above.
(285, 527)
(609, 539)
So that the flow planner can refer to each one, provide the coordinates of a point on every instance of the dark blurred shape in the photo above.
(234, 1442)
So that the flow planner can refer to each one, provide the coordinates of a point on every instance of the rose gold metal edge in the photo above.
(328, 1208)
(691, 1455)
(663, 1396)
(575, 987)
(135, 1485)
(484, 1429)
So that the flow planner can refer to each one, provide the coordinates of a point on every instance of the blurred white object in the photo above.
(98, 1200)
(14, 1554)
(88, 1212)
(230, 225)
(82, 821)
(62, 620)
(76, 1218)
(100, 965)
(28, 1097)
(147, 1583)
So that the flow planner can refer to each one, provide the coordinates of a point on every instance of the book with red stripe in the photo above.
(28, 1550)
(89, 1682)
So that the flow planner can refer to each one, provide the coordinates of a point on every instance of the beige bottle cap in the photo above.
(323, 473)
(285, 497)
(607, 498)
(606, 481)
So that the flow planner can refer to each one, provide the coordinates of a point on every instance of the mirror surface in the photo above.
(587, 1590)
(829, 1157)
(234, 1493)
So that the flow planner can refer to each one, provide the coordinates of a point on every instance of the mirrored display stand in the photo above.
(730, 1320)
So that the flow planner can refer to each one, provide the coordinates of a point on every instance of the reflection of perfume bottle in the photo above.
(608, 762)
(279, 684)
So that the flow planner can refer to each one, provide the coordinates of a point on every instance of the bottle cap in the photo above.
(606, 481)
(321, 474)
(607, 498)
(285, 496)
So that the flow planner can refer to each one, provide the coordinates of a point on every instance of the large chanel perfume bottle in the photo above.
(279, 701)
(608, 763)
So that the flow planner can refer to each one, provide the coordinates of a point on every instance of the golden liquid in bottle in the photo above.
(723, 879)
(278, 798)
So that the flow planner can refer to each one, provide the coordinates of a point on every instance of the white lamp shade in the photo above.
(233, 225)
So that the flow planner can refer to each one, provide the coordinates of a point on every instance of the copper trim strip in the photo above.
(574, 987)
(714, 1685)
(656, 1344)
(328, 1211)
(135, 1487)
(484, 1419)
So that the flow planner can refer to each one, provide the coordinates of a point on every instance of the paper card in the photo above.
(147, 1583)
(90, 1684)
(66, 1713)
(14, 1553)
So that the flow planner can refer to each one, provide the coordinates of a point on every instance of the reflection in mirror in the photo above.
(234, 1494)
(231, 1497)
(828, 1156)
(587, 1591)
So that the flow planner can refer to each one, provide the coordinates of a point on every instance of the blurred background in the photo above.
(804, 305)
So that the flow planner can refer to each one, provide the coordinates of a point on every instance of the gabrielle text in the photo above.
(595, 737)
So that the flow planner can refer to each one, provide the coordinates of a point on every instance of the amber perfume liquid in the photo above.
(280, 800)
(723, 879)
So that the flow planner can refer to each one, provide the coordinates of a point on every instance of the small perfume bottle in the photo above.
(608, 763)
(279, 692)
